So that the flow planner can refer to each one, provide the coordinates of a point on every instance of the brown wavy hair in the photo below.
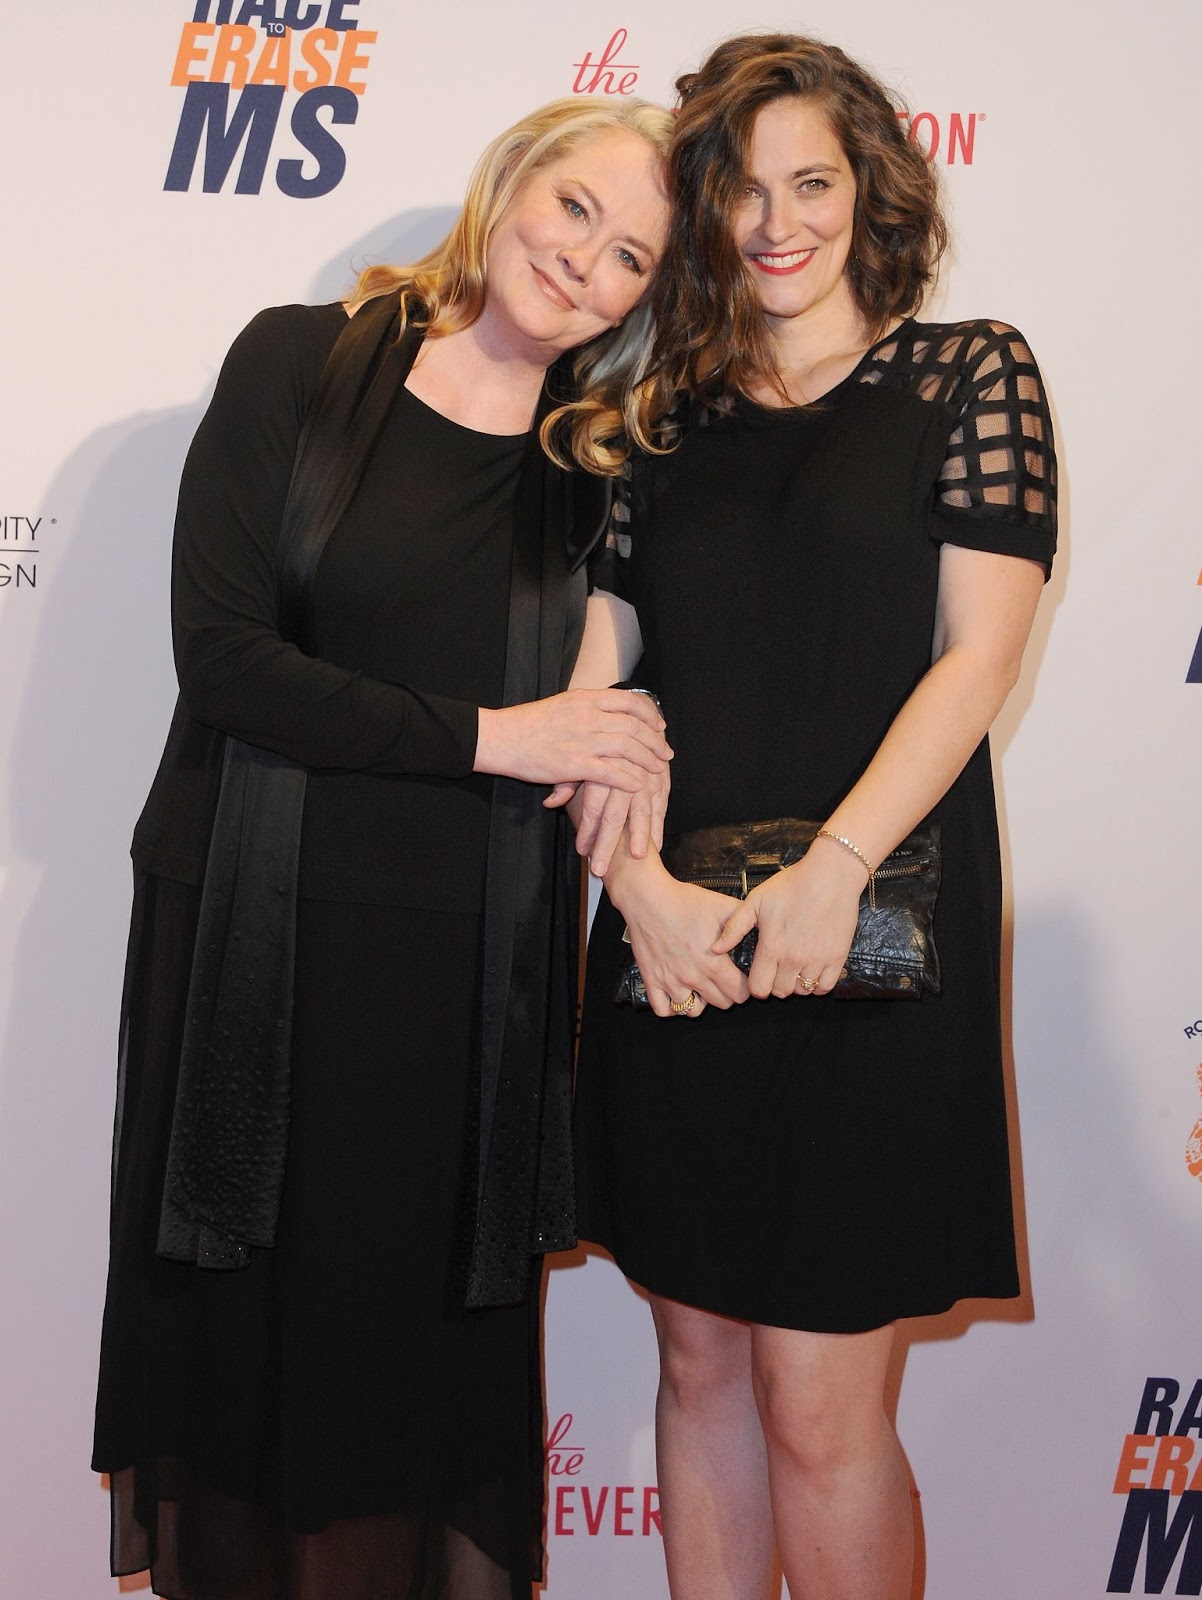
(711, 335)
(444, 291)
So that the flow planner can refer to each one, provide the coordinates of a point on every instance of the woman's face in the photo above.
(577, 246)
(794, 223)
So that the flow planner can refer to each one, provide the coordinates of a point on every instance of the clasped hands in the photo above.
(604, 746)
(682, 935)
(604, 751)
(631, 796)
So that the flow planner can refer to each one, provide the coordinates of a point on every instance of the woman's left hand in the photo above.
(604, 812)
(806, 916)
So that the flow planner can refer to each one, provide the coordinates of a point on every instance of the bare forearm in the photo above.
(611, 646)
(630, 880)
(806, 915)
(609, 650)
(983, 618)
(924, 751)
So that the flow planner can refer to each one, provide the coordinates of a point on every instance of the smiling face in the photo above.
(577, 246)
(794, 223)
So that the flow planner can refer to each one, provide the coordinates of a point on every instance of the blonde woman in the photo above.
(342, 1126)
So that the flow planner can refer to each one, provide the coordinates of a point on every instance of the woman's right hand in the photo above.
(580, 736)
(672, 926)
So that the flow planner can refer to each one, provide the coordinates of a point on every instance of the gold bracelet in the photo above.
(825, 833)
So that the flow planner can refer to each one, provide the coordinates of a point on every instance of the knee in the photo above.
(701, 1357)
(819, 1433)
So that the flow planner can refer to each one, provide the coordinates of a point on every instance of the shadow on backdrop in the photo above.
(98, 688)
(95, 705)
(402, 239)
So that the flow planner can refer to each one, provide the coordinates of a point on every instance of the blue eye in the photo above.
(630, 261)
(573, 208)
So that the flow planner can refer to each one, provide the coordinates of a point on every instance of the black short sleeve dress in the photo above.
(827, 1165)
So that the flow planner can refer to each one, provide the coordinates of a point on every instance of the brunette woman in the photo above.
(832, 568)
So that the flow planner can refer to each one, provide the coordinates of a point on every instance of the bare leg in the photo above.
(713, 1472)
(840, 1491)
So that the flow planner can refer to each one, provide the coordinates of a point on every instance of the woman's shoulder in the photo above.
(948, 361)
(277, 358)
(970, 327)
(971, 337)
(295, 331)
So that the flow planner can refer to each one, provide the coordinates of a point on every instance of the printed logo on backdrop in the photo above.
(606, 74)
(20, 547)
(1160, 1474)
(1193, 1030)
(582, 1506)
(261, 76)
(952, 136)
(1194, 675)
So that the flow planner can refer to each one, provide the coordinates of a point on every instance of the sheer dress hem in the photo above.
(198, 1543)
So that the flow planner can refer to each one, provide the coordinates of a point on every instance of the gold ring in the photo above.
(808, 984)
(682, 1007)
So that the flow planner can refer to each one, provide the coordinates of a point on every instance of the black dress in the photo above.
(822, 1164)
(328, 1422)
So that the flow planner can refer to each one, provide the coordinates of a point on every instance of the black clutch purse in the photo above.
(892, 955)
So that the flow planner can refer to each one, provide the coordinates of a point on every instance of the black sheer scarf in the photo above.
(230, 1129)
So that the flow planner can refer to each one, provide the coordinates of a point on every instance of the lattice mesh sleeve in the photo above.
(997, 487)
(609, 566)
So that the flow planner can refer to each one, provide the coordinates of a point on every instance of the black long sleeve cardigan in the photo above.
(257, 708)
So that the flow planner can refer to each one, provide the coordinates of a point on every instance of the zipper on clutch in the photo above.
(906, 869)
(734, 883)
(738, 883)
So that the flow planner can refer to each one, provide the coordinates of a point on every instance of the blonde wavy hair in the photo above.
(444, 291)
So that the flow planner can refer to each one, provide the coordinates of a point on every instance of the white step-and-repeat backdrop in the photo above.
(150, 207)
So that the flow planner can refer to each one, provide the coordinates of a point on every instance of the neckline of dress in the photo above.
(498, 439)
(753, 409)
